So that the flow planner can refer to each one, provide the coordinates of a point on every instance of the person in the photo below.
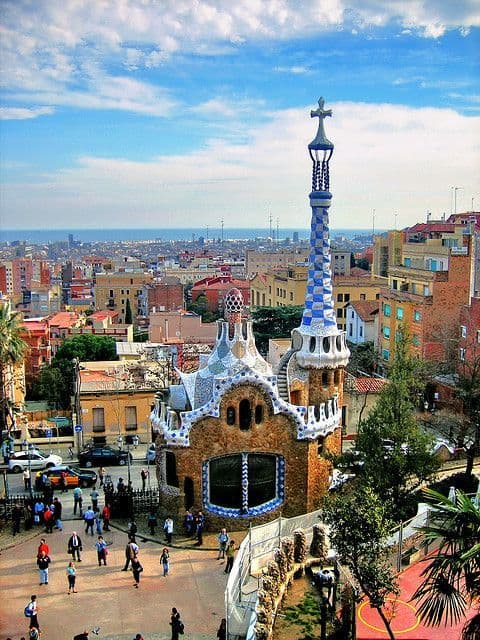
(152, 521)
(16, 519)
(324, 578)
(89, 517)
(77, 501)
(48, 519)
(28, 514)
(165, 561)
(63, 482)
(230, 556)
(71, 577)
(101, 475)
(121, 485)
(101, 547)
(131, 550)
(27, 479)
(137, 570)
(33, 634)
(106, 517)
(43, 546)
(94, 496)
(75, 546)
(223, 539)
(32, 607)
(176, 624)
(144, 475)
(57, 514)
(168, 528)
(98, 523)
(138, 637)
(38, 511)
(199, 526)
(132, 530)
(188, 523)
(42, 562)
(222, 630)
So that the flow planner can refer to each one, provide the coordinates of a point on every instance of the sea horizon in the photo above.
(46, 236)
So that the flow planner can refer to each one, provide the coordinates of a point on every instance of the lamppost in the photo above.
(135, 441)
(28, 448)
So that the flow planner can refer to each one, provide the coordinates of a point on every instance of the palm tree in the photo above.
(12, 348)
(452, 578)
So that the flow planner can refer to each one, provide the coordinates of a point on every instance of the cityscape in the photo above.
(239, 320)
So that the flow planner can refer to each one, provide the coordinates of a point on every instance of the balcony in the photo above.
(405, 296)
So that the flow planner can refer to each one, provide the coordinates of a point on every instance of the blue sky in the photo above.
(182, 113)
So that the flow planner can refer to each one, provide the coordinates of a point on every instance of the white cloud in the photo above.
(389, 158)
(296, 70)
(19, 113)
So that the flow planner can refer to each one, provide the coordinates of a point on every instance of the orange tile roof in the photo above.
(63, 319)
(369, 385)
(366, 309)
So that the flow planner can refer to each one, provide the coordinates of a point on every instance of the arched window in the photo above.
(230, 415)
(244, 484)
(171, 469)
(258, 413)
(189, 492)
(245, 413)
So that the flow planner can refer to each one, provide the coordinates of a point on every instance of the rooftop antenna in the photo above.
(395, 216)
(373, 222)
(278, 236)
(429, 214)
(270, 222)
(222, 230)
(207, 231)
(455, 189)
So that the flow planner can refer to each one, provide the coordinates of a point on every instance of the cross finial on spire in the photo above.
(321, 141)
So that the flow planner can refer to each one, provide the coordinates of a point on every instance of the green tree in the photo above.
(452, 578)
(359, 526)
(397, 452)
(274, 322)
(87, 347)
(363, 358)
(12, 349)
(128, 312)
(53, 387)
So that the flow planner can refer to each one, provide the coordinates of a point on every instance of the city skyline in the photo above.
(135, 114)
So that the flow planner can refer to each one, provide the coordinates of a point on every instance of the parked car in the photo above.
(34, 460)
(103, 456)
(75, 477)
(151, 453)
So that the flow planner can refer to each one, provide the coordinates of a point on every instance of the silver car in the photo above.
(32, 460)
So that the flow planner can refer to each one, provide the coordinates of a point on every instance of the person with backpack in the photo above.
(31, 612)
(137, 570)
(177, 625)
(43, 561)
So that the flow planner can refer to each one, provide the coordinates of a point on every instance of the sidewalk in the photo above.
(106, 597)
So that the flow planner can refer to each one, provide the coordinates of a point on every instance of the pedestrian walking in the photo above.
(31, 611)
(89, 518)
(101, 475)
(223, 539)
(101, 547)
(222, 630)
(199, 526)
(230, 556)
(168, 528)
(71, 577)
(38, 508)
(27, 479)
(43, 546)
(57, 514)
(94, 497)
(132, 531)
(152, 522)
(106, 517)
(137, 570)
(131, 550)
(77, 501)
(121, 487)
(48, 519)
(75, 546)
(165, 561)
(43, 562)
(144, 476)
(16, 519)
(98, 523)
(176, 624)
(63, 482)
(189, 523)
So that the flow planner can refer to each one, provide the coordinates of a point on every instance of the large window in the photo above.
(131, 418)
(98, 419)
(244, 484)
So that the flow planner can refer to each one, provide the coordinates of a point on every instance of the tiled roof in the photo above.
(63, 319)
(369, 385)
(366, 309)
(439, 227)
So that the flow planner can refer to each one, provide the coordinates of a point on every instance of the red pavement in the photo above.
(405, 623)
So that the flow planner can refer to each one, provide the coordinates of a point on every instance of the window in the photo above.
(258, 414)
(340, 297)
(131, 418)
(462, 355)
(245, 413)
(386, 333)
(385, 354)
(417, 316)
(463, 331)
(98, 419)
(244, 484)
(339, 313)
(399, 313)
(394, 284)
(478, 336)
(347, 297)
(426, 290)
(407, 262)
(111, 293)
(415, 340)
(363, 296)
(360, 332)
(387, 310)
(230, 416)
(350, 329)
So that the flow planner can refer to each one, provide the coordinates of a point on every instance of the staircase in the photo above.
(282, 381)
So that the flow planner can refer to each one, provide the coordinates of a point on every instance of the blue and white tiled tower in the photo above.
(318, 340)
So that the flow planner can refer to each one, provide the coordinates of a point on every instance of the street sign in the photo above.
(48, 433)
(78, 428)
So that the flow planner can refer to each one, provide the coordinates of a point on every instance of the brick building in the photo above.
(166, 295)
(215, 290)
(243, 443)
(38, 354)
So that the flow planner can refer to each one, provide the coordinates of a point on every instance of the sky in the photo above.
(184, 113)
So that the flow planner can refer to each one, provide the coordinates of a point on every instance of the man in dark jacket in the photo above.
(75, 546)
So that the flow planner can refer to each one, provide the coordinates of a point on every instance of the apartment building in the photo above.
(112, 290)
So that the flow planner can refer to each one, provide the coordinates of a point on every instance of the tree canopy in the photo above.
(12, 349)
(274, 322)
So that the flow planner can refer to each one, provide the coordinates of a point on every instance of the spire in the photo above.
(318, 320)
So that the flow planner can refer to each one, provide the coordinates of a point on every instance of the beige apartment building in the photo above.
(112, 290)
